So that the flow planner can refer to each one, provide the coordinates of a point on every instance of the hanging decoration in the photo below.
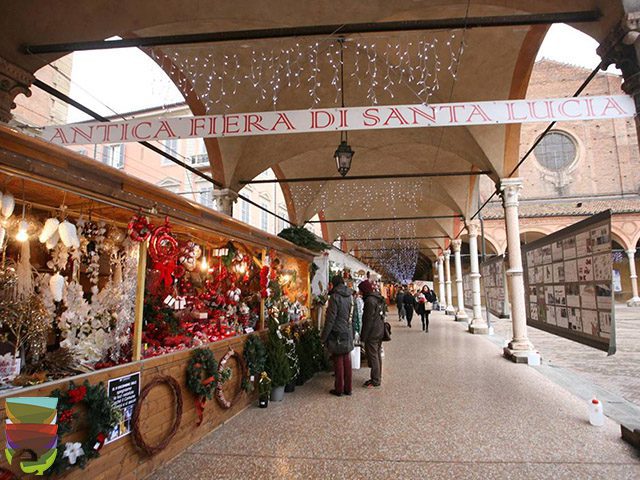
(101, 417)
(139, 228)
(138, 439)
(255, 357)
(223, 370)
(163, 250)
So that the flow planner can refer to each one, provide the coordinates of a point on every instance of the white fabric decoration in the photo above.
(3, 234)
(56, 286)
(69, 234)
(50, 228)
(53, 240)
(73, 451)
(25, 273)
(8, 204)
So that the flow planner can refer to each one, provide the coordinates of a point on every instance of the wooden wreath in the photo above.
(138, 440)
(224, 403)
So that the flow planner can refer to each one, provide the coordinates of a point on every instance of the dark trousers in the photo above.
(401, 311)
(425, 320)
(409, 313)
(342, 369)
(374, 358)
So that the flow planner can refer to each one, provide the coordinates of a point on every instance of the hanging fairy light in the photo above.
(23, 227)
(204, 264)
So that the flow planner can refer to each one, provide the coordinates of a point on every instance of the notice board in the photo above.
(569, 283)
(493, 279)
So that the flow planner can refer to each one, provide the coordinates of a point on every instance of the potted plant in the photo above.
(292, 356)
(277, 362)
(264, 390)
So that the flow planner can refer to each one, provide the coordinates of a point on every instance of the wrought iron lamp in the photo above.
(344, 153)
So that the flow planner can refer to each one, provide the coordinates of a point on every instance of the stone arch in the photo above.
(621, 238)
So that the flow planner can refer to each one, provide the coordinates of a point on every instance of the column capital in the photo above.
(510, 191)
(630, 253)
(225, 198)
(13, 81)
(473, 228)
(456, 244)
(447, 254)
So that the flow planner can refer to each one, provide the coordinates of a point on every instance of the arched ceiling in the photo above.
(495, 64)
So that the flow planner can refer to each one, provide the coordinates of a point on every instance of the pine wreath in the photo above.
(225, 374)
(102, 416)
(202, 378)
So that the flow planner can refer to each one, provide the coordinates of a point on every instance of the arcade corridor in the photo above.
(450, 407)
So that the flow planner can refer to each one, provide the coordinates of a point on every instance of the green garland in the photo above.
(202, 373)
(102, 416)
(255, 356)
(303, 238)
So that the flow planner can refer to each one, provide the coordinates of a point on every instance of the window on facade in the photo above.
(244, 211)
(170, 184)
(170, 147)
(205, 194)
(113, 155)
(264, 218)
(281, 223)
(557, 151)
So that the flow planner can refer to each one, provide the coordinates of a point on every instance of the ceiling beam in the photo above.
(323, 30)
(383, 219)
(366, 177)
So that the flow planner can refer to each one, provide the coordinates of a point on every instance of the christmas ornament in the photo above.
(163, 250)
(8, 204)
(69, 234)
(203, 376)
(49, 230)
(139, 228)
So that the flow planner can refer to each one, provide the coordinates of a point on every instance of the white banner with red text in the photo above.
(352, 118)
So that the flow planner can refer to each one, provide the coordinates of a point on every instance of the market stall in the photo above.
(131, 306)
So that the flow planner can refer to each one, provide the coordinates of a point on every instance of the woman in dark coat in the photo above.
(373, 330)
(427, 296)
(337, 334)
(409, 306)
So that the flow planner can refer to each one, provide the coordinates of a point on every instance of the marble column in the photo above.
(442, 299)
(447, 271)
(478, 323)
(225, 198)
(461, 314)
(519, 347)
(635, 301)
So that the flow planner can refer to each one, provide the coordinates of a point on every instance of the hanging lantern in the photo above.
(23, 235)
(343, 156)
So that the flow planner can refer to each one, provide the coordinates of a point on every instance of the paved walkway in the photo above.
(619, 373)
(450, 407)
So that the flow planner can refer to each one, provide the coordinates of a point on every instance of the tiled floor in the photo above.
(450, 407)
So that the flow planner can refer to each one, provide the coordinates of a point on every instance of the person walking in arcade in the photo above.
(400, 304)
(373, 331)
(426, 298)
(337, 334)
(409, 305)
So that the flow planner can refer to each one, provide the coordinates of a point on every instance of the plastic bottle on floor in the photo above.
(596, 414)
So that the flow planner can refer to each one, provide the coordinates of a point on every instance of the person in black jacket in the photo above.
(337, 334)
(373, 330)
(409, 305)
(425, 305)
(400, 304)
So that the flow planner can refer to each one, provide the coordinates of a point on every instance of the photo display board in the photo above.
(493, 273)
(568, 279)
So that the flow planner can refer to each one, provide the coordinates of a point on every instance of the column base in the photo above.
(479, 328)
(522, 356)
(461, 316)
(634, 302)
(450, 311)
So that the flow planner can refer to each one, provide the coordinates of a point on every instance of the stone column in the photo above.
(635, 301)
(225, 198)
(447, 271)
(13, 81)
(461, 314)
(520, 347)
(478, 323)
(441, 292)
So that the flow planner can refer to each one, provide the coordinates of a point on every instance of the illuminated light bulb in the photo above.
(22, 235)
(204, 265)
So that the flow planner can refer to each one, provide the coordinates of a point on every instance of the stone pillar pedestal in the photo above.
(225, 199)
(520, 347)
(13, 81)
(635, 300)
(442, 298)
(461, 314)
(447, 271)
(478, 323)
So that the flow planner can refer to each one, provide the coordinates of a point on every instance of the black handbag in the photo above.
(386, 336)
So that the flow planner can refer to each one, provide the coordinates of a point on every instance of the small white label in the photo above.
(248, 330)
(252, 378)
